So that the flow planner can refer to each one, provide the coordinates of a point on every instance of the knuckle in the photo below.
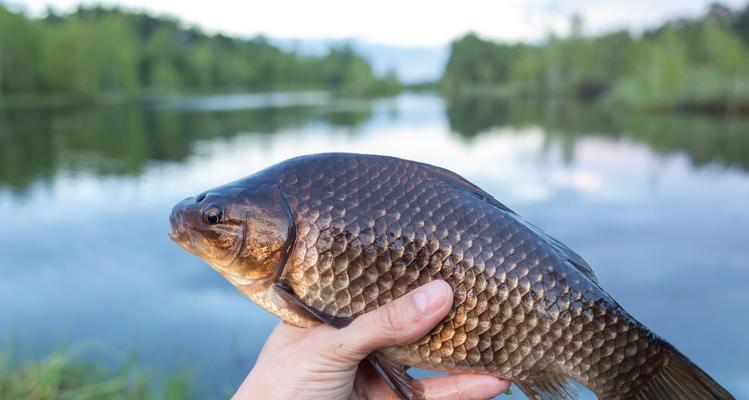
(344, 353)
(389, 318)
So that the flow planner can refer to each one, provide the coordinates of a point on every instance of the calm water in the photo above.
(659, 205)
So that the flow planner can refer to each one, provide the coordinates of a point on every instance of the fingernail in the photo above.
(430, 296)
(489, 387)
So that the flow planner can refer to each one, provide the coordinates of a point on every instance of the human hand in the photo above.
(324, 362)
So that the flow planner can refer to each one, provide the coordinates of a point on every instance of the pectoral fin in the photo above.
(394, 375)
(294, 301)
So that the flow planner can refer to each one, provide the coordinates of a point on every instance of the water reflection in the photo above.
(706, 139)
(85, 256)
(35, 144)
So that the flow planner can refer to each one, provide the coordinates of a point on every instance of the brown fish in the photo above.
(328, 237)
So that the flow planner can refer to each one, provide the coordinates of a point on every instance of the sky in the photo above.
(405, 23)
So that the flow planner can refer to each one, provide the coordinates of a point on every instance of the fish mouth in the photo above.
(180, 233)
(177, 231)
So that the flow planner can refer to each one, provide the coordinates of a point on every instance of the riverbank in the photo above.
(62, 375)
(714, 103)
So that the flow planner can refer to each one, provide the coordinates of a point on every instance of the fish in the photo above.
(324, 238)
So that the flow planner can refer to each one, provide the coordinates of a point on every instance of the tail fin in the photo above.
(680, 379)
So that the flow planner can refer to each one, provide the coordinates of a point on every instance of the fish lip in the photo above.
(180, 235)
(173, 235)
(177, 231)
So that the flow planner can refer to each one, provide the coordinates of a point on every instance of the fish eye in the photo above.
(212, 216)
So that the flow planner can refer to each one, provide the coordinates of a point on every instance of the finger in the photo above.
(463, 387)
(457, 387)
(401, 321)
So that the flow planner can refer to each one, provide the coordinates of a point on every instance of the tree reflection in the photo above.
(35, 143)
(705, 139)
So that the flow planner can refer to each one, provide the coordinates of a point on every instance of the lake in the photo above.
(657, 204)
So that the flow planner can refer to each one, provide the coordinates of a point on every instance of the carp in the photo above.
(327, 237)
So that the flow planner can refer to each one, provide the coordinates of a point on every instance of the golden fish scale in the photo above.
(370, 231)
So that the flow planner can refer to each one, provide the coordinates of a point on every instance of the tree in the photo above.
(20, 47)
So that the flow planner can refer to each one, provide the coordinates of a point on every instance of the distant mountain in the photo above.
(411, 64)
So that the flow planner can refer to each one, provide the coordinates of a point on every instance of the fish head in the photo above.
(243, 231)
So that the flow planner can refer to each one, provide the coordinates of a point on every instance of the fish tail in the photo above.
(680, 379)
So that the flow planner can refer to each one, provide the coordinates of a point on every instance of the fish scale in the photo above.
(366, 230)
(500, 325)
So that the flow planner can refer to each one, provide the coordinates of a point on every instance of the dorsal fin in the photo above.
(584, 268)
(575, 259)
(463, 183)
(547, 387)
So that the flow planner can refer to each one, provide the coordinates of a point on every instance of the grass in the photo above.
(63, 376)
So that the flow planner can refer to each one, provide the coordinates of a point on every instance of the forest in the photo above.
(696, 64)
(94, 52)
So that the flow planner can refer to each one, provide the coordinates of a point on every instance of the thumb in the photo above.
(398, 322)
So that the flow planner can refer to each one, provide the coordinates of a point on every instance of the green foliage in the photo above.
(60, 376)
(659, 78)
(89, 57)
(706, 139)
(741, 25)
(479, 63)
(700, 64)
(20, 52)
(123, 139)
(346, 72)
(96, 52)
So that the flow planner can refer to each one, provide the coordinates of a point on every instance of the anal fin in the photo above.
(547, 387)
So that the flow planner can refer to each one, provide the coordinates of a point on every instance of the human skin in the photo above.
(326, 363)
